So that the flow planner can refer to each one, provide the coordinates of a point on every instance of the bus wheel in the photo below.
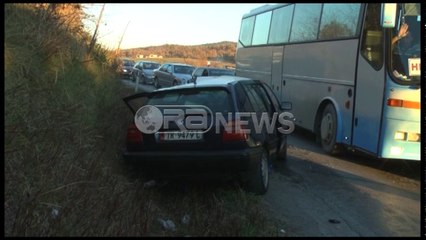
(328, 130)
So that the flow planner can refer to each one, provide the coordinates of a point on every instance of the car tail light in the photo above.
(133, 134)
(234, 132)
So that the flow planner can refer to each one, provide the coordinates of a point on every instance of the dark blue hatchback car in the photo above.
(222, 124)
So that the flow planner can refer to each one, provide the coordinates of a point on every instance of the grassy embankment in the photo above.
(64, 127)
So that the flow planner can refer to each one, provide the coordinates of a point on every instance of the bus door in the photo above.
(369, 86)
(277, 71)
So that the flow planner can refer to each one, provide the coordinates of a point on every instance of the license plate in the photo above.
(181, 136)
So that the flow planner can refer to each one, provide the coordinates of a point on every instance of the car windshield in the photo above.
(216, 100)
(150, 66)
(128, 63)
(184, 69)
(405, 57)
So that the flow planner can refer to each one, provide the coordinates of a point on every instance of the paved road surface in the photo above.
(319, 195)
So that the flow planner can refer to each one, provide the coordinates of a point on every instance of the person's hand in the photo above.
(403, 31)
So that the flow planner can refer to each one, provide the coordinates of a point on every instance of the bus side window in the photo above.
(372, 39)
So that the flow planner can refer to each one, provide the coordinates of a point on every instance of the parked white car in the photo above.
(171, 74)
(143, 71)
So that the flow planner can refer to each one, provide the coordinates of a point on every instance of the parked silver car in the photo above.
(143, 71)
(171, 74)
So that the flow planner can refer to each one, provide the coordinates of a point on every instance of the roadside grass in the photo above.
(65, 125)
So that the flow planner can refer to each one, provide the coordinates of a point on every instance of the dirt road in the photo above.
(317, 195)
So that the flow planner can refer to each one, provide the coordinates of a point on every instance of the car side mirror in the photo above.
(286, 106)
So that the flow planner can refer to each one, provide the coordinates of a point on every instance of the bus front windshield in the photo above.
(405, 45)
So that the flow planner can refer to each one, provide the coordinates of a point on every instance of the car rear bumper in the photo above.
(149, 79)
(128, 74)
(235, 160)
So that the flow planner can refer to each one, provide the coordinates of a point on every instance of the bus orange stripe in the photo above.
(403, 103)
(410, 104)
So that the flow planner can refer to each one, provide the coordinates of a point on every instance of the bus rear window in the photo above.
(246, 33)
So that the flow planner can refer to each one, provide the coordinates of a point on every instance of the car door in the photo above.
(138, 69)
(198, 72)
(170, 76)
(134, 71)
(162, 74)
(272, 104)
(265, 129)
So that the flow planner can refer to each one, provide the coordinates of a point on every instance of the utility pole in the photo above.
(93, 41)
(119, 43)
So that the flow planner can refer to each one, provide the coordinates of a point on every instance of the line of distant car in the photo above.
(167, 74)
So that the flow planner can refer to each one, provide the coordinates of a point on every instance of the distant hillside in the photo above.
(222, 51)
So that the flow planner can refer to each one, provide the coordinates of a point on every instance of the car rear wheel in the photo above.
(258, 181)
(282, 149)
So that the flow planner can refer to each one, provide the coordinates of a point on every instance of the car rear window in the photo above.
(151, 66)
(218, 72)
(184, 69)
(128, 63)
(217, 100)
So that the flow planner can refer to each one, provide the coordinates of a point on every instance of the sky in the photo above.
(166, 23)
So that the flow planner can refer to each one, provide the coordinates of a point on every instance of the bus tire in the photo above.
(328, 130)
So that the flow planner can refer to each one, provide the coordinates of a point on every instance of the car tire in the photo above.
(258, 181)
(156, 84)
(328, 130)
(282, 149)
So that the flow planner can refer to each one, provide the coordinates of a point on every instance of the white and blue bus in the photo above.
(351, 71)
